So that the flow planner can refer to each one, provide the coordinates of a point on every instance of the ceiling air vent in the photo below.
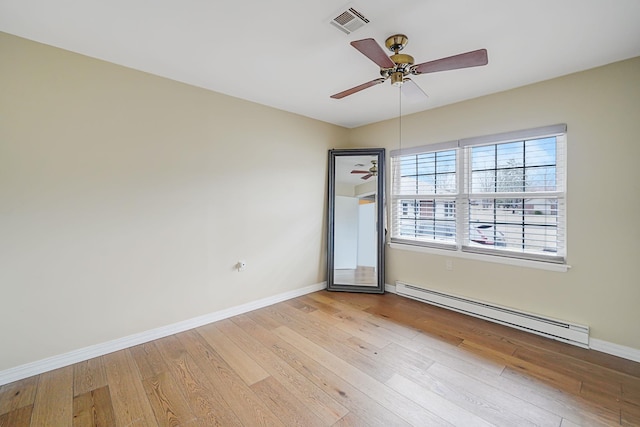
(349, 20)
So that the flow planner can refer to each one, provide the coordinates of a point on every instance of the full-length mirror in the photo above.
(355, 240)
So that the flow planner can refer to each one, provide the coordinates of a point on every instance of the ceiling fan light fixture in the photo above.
(397, 78)
(374, 169)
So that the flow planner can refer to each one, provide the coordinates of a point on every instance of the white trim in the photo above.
(440, 146)
(82, 354)
(541, 265)
(517, 135)
(615, 349)
(390, 288)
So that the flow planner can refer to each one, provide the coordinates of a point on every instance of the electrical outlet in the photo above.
(448, 265)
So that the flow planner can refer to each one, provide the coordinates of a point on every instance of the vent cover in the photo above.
(349, 20)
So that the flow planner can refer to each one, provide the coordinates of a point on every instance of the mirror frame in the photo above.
(380, 219)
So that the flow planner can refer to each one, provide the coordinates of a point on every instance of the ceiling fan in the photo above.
(400, 65)
(373, 170)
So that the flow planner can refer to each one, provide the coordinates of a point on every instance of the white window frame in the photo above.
(462, 247)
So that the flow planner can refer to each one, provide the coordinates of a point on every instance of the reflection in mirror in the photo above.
(355, 241)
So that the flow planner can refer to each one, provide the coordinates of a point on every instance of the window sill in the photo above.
(540, 265)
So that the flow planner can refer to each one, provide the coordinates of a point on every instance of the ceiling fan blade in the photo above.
(372, 50)
(367, 176)
(355, 171)
(411, 90)
(474, 58)
(353, 90)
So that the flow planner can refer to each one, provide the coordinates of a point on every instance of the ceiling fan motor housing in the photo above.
(403, 68)
(403, 61)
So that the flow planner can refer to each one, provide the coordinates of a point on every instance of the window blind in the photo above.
(425, 187)
(501, 194)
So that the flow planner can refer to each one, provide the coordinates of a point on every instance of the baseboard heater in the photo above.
(551, 328)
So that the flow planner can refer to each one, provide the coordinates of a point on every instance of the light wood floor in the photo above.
(336, 359)
(361, 276)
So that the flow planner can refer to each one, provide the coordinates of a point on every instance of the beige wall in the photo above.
(126, 199)
(602, 110)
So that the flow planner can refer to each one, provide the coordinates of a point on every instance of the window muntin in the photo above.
(521, 166)
(428, 173)
(499, 198)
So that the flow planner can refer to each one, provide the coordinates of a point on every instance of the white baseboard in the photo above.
(594, 344)
(615, 349)
(80, 355)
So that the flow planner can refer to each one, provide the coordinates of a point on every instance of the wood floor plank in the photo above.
(367, 333)
(530, 389)
(439, 405)
(53, 404)
(473, 402)
(17, 418)
(335, 386)
(203, 397)
(299, 304)
(169, 406)
(18, 394)
(246, 368)
(344, 311)
(148, 360)
(608, 395)
(448, 323)
(631, 391)
(337, 343)
(416, 323)
(567, 423)
(401, 361)
(289, 409)
(93, 409)
(557, 379)
(397, 329)
(571, 407)
(263, 317)
(451, 354)
(350, 420)
(319, 306)
(314, 399)
(245, 404)
(604, 381)
(130, 405)
(88, 375)
(630, 414)
(358, 301)
(379, 392)
(516, 411)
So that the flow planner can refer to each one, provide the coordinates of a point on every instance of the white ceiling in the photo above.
(284, 53)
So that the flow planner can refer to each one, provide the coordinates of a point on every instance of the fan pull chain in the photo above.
(400, 118)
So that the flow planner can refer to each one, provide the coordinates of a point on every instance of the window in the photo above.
(501, 195)
(425, 191)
